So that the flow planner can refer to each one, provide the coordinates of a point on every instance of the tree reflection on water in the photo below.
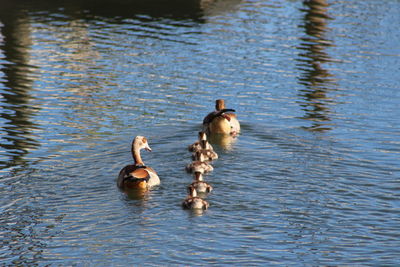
(317, 80)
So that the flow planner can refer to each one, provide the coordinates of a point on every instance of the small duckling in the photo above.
(199, 165)
(193, 202)
(209, 154)
(199, 184)
(138, 175)
(196, 146)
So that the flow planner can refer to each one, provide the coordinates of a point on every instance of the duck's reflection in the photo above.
(137, 194)
(226, 141)
(317, 80)
(196, 212)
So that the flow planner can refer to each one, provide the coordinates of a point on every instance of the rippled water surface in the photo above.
(312, 180)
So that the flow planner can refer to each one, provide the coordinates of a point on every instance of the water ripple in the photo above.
(311, 180)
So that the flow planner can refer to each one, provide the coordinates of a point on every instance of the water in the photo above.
(312, 180)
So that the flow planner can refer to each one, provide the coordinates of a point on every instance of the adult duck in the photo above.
(199, 184)
(222, 120)
(193, 202)
(196, 146)
(138, 175)
(199, 165)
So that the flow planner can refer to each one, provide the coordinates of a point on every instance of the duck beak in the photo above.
(147, 147)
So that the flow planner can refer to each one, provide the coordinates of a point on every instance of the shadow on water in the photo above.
(317, 80)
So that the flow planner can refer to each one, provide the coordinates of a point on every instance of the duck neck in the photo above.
(193, 193)
(198, 176)
(203, 144)
(202, 136)
(136, 155)
(219, 104)
(200, 156)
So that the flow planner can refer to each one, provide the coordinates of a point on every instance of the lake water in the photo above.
(314, 178)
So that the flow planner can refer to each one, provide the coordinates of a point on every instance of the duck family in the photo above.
(138, 176)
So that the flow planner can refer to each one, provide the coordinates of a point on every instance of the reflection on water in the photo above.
(137, 194)
(75, 70)
(215, 7)
(116, 9)
(317, 80)
(223, 140)
(16, 111)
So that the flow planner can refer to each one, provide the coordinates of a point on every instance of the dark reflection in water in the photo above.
(16, 111)
(317, 80)
(173, 9)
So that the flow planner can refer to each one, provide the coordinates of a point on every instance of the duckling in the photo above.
(193, 202)
(209, 154)
(196, 146)
(200, 165)
(138, 175)
(199, 184)
(221, 121)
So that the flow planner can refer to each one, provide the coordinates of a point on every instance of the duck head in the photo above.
(140, 142)
(202, 136)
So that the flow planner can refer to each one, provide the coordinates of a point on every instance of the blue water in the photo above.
(313, 179)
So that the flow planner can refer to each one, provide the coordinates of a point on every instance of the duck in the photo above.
(221, 121)
(138, 175)
(196, 146)
(193, 202)
(199, 165)
(209, 154)
(199, 184)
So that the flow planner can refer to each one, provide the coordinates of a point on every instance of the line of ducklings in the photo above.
(221, 121)
(203, 154)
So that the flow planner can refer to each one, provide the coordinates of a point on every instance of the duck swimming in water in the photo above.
(199, 184)
(193, 202)
(138, 175)
(199, 165)
(196, 146)
(208, 154)
(221, 121)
